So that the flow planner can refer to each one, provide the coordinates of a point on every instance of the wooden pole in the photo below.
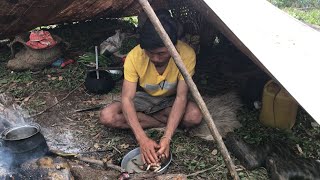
(193, 88)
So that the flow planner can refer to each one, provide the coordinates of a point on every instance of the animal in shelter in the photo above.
(278, 158)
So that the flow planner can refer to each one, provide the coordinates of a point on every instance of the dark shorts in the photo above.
(147, 104)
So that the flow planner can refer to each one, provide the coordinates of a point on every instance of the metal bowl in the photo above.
(115, 71)
(116, 74)
(20, 132)
(136, 152)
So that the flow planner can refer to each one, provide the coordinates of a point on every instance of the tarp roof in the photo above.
(278, 43)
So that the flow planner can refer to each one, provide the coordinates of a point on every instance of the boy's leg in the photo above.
(112, 116)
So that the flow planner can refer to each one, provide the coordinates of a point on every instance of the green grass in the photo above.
(71, 77)
(304, 10)
(4, 55)
(296, 3)
(22, 84)
(311, 16)
(303, 133)
(191, 154)
(132, 20)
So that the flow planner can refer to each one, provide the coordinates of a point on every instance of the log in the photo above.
(172, 177)
(156, 176)
(101, 163)
(88, 160)
(193, 88)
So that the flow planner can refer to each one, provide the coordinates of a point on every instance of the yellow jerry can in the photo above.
(279, 109)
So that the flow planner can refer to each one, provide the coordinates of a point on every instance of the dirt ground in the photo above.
(81, 133)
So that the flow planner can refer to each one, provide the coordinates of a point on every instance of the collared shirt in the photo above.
(138, 68)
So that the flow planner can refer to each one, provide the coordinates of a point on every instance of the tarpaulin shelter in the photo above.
(279, 44)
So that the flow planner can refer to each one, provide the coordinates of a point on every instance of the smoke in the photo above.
(5, 162)
(11, 115)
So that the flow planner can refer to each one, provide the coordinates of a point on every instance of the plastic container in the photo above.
(279, 109)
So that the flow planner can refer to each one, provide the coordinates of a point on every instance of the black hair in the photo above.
(148, 36)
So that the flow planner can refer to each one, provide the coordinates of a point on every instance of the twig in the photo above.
(98, 151)
(28, 98)
(57, 102)
(101, 163)
(116, 149)
(69, 119)
(199, 172)
(88, 160)
(97, 135)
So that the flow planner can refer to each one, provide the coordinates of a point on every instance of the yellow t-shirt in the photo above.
(138, 68)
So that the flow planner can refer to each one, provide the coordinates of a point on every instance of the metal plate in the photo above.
(135, 153)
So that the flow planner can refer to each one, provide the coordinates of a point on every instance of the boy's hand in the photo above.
(148, 149)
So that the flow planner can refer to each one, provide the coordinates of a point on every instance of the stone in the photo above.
(84, 172)
(56, 168)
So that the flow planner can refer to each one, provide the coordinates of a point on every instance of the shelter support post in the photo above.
(193, 88)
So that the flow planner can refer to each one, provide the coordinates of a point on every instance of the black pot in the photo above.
(103, 85)
(24, 143)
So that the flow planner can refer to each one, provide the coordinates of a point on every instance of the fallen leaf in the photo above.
(49, 76)
(299, 149)
(26, 99)
(108, 157)
(96, 145)
(53, 78)
(214, 152)
(28, 84)
(124, 146)
(60, 78)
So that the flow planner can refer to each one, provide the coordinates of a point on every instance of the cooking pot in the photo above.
(24, 142)
(105, 83)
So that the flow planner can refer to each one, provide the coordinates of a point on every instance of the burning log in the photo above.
(88, 160)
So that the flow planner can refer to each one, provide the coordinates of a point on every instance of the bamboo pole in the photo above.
(193, 88)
